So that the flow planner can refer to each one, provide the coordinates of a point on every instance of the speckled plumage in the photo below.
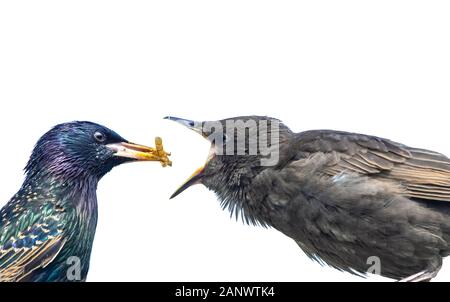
(53, 217)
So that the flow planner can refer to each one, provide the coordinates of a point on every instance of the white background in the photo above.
(376, 67)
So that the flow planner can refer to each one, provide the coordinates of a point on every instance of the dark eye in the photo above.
(100, 137)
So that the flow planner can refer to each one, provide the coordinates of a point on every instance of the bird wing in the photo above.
(422, 173)
(22, 252)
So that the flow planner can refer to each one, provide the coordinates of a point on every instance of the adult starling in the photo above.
(349, 200)
(48, 227)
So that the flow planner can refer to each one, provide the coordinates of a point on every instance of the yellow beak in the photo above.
(142, 153)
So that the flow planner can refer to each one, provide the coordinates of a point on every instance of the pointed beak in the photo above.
(198, 175)
(193, 125)
(142, 153)
(194, 179)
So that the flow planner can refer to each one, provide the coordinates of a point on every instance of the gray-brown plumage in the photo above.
(343, 197)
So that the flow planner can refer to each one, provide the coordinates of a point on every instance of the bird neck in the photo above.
(239, 185)
(71, 193)
(232, 188)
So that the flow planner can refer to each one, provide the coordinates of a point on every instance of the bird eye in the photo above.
(224, 138)
(100, 137)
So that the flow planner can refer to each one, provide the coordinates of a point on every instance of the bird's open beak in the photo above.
(142, 153)
(195, 178)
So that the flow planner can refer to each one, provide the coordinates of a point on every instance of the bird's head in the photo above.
(75, 149)
(241, 147)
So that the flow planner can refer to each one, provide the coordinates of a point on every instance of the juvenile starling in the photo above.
(349, 200)
(48, 227)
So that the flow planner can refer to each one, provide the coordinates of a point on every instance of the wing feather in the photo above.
(25, 250)
(27, 260)
(422, 173)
